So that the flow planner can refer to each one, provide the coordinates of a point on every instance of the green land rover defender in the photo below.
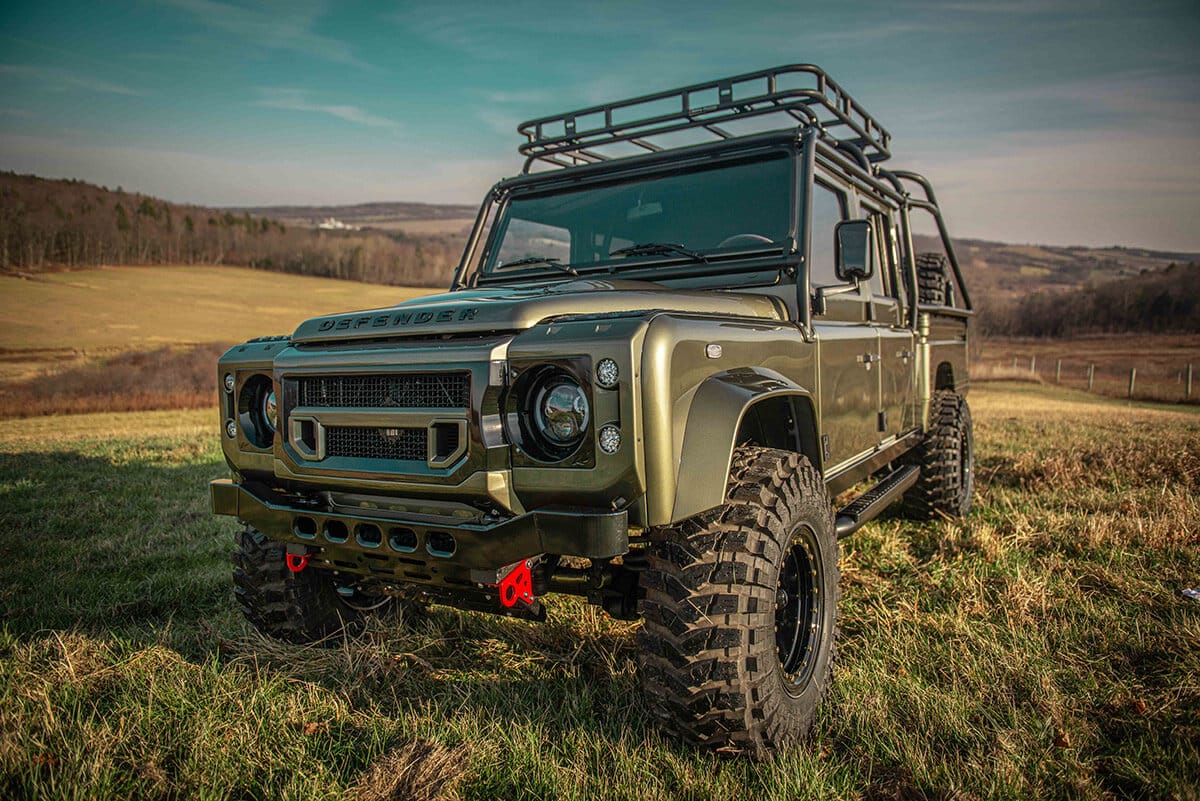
(693, 320)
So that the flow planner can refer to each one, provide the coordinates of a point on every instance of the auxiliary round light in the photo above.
(230, 429)
(229, 383)
(610, 439)
(607, 373)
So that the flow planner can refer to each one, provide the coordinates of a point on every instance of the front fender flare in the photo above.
(716, 413)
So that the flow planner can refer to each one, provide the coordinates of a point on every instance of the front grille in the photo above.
(405, 444)
(397, 391)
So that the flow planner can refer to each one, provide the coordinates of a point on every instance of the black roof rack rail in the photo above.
(800, 95)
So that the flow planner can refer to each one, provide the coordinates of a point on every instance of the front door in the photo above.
(847, 345)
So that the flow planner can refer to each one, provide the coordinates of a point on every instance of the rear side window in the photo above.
(828, 209)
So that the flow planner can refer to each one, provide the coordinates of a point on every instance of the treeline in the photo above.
(46, 224)
(1153, 302)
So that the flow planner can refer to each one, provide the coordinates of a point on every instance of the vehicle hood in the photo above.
(518, 308)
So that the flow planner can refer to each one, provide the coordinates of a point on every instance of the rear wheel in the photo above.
(740, 611)
(299, 608)
(947, 461)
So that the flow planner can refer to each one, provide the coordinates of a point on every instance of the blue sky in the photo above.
(1058, 122)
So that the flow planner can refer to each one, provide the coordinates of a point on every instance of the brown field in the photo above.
(1161, 363)
(131, 338)
(457, 226)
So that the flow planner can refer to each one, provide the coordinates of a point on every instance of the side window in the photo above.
(899, 279)
(828, 209)
(879, 257)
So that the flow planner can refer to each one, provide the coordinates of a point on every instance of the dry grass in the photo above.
(163, 378)
(143, 307)
(133, 338)
(1161, 362)
(981, 371)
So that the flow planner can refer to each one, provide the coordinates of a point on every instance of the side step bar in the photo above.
(866, 507)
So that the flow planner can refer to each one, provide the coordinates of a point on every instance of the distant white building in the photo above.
(334, 224)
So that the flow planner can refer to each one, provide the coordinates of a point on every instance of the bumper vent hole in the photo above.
(305, 527)
(403, 540)
(440, 543)
(369, 535)
(335, 531)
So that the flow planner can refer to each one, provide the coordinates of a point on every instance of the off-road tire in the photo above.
(932, 278)
(709, 661)
(299, 608)
(947, 461)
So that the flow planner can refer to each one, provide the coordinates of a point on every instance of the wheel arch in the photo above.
(944, 378)
(736, 407)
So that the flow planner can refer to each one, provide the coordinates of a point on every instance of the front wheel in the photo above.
(740, 611)
(299, 608)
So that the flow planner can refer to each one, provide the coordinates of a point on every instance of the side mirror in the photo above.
(852, 246)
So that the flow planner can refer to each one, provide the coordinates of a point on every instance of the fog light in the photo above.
(607, 373)
(229, 382)
(610, 439)
(230, 429)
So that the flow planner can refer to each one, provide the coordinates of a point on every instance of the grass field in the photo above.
(131, 338)
(1040, 649)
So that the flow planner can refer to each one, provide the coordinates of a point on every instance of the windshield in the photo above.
(717, 211)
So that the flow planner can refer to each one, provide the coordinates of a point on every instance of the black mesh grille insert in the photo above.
(398, 391)
(406, 444)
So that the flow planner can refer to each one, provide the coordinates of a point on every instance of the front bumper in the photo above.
(444, 554)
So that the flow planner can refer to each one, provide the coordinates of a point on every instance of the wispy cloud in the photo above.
(287, 26)
(59, 80)
(299, 100)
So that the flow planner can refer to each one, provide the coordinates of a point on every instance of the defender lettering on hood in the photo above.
(397, 319)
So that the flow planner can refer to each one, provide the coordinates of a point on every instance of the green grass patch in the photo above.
(1041, 648)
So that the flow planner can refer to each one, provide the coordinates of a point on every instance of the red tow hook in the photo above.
(517, 585)
(296, 561)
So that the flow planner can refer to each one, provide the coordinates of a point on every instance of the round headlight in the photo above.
(547, 413)
(270, 411)
(229, 383)
(230, 429)
(257, 413)
(561, 410)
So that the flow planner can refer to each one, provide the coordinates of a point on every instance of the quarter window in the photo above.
(828, 209)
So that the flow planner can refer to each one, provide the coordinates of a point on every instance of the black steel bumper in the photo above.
(425, 552)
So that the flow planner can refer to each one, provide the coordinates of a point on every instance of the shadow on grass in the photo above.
(126, 548)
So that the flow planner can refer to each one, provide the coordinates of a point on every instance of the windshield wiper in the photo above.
(550, 260)
(658, 249)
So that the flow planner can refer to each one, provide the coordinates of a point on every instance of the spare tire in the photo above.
(932, 279)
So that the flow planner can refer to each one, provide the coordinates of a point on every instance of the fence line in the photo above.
(1144, 381)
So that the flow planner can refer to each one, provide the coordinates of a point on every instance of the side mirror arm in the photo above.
(825, 292)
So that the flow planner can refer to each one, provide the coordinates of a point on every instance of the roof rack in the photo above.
(794, 95)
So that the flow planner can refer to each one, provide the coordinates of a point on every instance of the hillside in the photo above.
(52, 224)
(1002, 271)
